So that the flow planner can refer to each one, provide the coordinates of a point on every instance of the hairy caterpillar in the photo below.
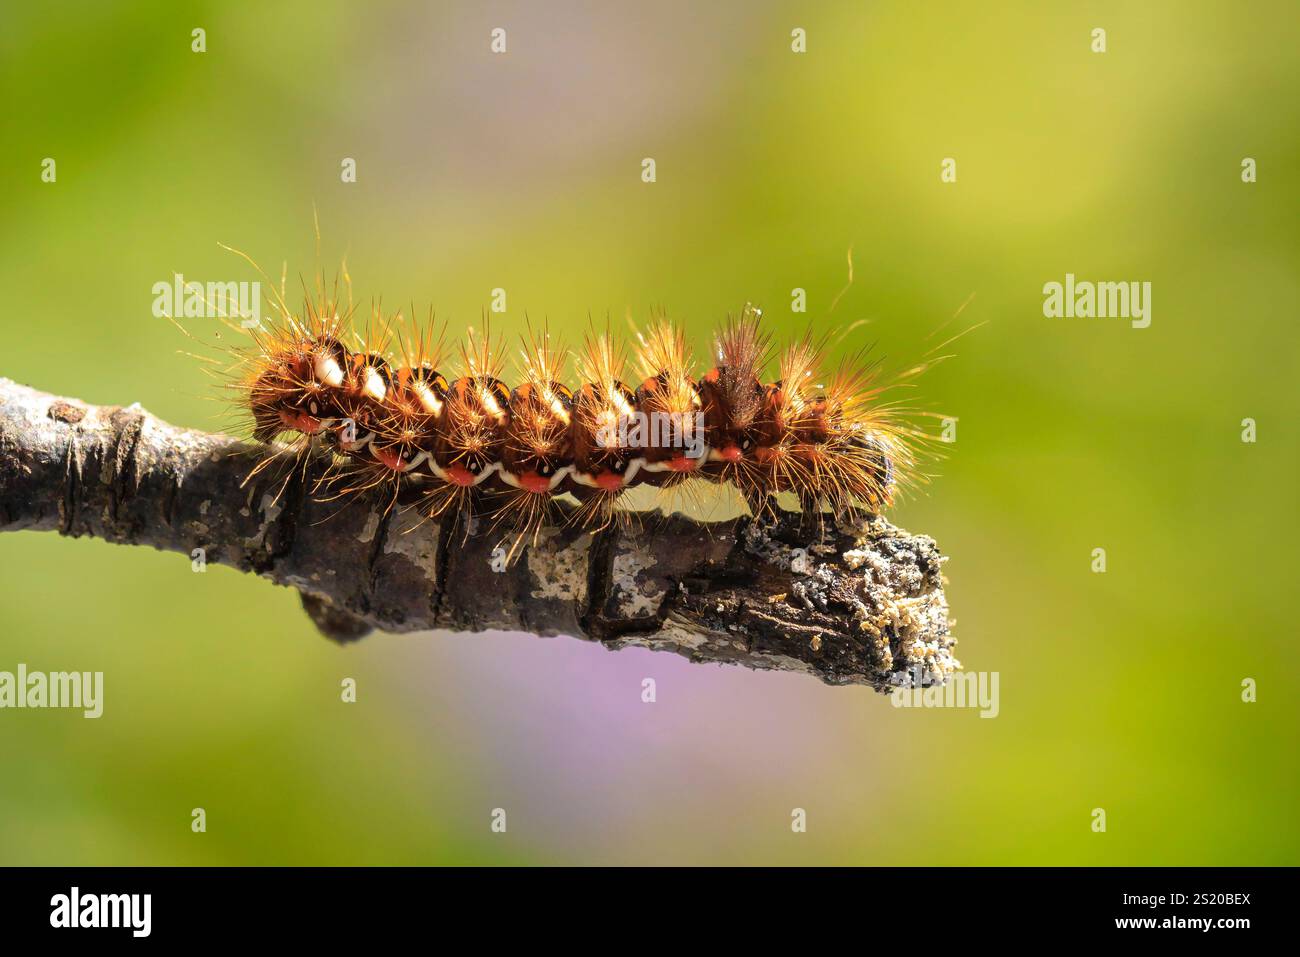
(463, 445)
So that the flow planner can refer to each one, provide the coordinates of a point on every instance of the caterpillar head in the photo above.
(298, 391)
(874, 456)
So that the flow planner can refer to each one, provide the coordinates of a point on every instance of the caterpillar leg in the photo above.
(759, 501)
(812, 519)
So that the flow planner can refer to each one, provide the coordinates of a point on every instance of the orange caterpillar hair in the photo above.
(474, 448)
(603, 467)
(537, 455)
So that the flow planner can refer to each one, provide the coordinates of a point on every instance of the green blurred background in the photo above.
(1119, 690)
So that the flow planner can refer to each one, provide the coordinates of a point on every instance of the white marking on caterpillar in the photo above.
(429, 401)
(374, 384)
(491, 405)
(557, 407)
(416, 461)
(666, 466)
(328, 371)
(478, 479)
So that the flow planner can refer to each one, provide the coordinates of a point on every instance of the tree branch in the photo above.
(851, 605)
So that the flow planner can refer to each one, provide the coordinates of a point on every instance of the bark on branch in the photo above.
(855, 605)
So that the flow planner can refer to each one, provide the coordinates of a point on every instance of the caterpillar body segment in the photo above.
(604, 465)
(669, 399)
(737, 406)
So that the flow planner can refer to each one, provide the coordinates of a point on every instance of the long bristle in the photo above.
(742, 351)
(540, 426)
(601, 365)
(664, 356)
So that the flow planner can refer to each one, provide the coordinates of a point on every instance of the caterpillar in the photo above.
(464, 446)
